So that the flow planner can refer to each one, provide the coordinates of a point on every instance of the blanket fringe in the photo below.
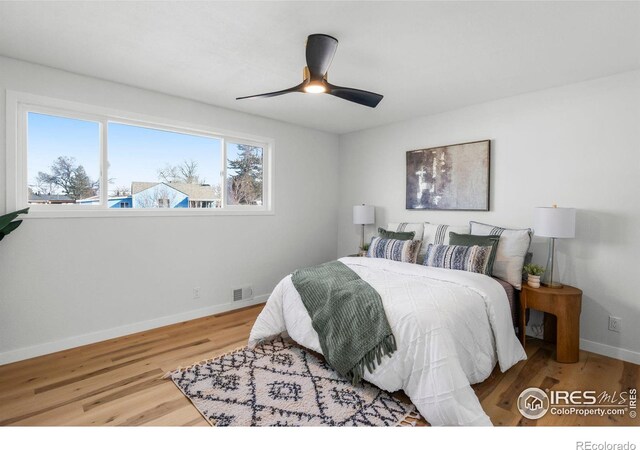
(372, 358)
(410, 419)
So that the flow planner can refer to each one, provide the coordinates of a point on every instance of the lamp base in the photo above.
(548, 278)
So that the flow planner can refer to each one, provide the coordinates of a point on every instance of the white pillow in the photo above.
(417, 228)
(438, 234)
(512, 249)
(435, 233)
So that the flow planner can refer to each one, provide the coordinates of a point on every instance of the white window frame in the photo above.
(20, 104)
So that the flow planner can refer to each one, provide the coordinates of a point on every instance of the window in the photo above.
(64, 160)
(244, 174)
(80, 158)
(164, 169)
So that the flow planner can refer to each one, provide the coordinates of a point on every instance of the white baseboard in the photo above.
(90, 338)
(608, 350)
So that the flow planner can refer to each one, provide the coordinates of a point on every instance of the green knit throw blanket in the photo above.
(348, 315)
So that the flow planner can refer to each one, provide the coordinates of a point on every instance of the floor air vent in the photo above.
(242, 293)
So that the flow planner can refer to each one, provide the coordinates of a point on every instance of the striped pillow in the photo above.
(459, 257)
(512, 250)
(435, 233)
(394, 249)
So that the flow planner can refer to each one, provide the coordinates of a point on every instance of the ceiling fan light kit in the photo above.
(313, 86)
(320, 51)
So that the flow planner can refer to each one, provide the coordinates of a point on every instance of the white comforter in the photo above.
(450, 327)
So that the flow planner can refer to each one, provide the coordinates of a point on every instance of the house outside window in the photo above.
(74, 157)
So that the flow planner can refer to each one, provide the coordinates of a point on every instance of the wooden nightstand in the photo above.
(561, 319)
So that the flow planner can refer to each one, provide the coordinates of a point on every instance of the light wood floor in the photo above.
(119, 382)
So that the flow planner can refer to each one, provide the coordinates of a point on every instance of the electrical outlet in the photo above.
(615, 324)
(196, 293)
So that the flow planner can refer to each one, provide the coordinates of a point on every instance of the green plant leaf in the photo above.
(7, 218)
(12, 226)
(534, 269)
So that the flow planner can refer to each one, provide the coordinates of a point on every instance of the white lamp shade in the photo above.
(364, 214)
(554, 222)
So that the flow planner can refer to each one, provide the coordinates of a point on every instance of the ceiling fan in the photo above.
(320, 51)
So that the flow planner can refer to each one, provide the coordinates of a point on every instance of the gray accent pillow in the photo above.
(399, 235)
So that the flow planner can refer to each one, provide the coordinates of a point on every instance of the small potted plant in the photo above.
(534, 272)
(364, 249)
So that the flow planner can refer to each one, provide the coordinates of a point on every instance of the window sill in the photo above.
(117, 213)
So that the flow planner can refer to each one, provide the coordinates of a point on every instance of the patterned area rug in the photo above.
(280, 384)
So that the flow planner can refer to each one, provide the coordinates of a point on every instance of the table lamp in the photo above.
(363, 215)
(555, 223)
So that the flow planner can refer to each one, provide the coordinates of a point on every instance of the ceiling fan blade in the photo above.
(297, 88)
(366, 98)
(320, 51)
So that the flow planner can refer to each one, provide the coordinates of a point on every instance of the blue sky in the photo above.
(135, 153)
(50, 137)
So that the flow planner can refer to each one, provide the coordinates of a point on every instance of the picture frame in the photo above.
(450, 177)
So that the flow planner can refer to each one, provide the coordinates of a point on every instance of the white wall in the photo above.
(63, 282)
(577, 146)
(66, 282)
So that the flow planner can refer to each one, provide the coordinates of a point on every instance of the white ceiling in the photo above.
(425, 57)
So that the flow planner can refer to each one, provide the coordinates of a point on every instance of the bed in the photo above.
(451, 328)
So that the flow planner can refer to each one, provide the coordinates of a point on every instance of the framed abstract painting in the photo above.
(453, 177)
